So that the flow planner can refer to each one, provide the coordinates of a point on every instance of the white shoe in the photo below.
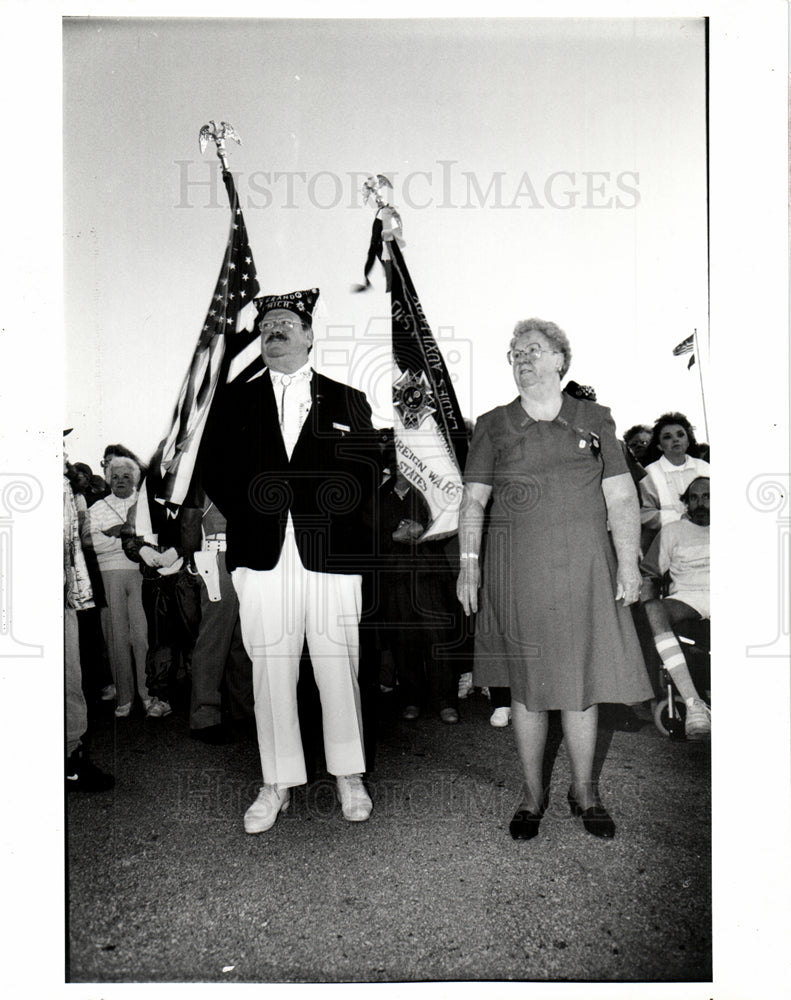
(108, 692)
(355, 802)
(465, 685)
(697, 725)
(122, 711)
(501, 716)
(267, 807)
(158, 709)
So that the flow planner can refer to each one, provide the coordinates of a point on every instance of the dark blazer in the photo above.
(326, 486)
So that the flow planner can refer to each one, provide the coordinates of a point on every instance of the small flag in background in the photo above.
(230, 311)
(686, 347)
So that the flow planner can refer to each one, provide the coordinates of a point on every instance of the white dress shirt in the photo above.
(292, 395)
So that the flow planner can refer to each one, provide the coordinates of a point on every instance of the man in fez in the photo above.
(286, 459)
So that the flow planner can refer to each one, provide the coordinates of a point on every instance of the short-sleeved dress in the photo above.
(548, 625)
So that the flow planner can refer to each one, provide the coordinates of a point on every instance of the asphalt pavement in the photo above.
(164, 886)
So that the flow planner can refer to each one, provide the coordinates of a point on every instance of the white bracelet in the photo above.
(469, 555)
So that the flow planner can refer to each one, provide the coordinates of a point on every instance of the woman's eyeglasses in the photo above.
(531, 353)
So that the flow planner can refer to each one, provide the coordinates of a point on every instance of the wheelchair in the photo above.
(694, 637)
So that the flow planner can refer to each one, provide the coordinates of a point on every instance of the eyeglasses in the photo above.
(278, 324)
(532, 353)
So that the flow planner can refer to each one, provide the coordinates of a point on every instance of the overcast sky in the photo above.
(551, 168)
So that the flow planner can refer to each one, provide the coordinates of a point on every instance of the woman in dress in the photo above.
(554, 624)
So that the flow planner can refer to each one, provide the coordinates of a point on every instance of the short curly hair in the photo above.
(552, 332)
(119, 450)
(122, 462)
(634, 431)
(674, 418)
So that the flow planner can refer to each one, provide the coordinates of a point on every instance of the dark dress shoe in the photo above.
(596, 820)
(215, 736)
(524, 825)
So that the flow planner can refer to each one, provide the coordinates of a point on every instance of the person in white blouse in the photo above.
(668, 477)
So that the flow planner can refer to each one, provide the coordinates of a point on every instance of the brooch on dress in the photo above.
(589, 439)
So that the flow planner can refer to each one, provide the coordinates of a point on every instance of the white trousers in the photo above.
(278, 610)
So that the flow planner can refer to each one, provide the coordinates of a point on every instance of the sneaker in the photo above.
(355, 802)
(501, 717)
(108, 693)
(263, 813)
(697, 725)
(449, 715)
(158, 709)
(465, 685)
(122, 711)
(84, 776)
(410, 713)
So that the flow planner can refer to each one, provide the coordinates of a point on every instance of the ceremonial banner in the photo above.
(429, 431)
(236, 288)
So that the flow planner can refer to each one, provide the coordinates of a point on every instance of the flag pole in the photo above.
(234, 294)
(428, 427)
(697, 354)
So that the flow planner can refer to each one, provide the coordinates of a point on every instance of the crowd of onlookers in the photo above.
(162, 617)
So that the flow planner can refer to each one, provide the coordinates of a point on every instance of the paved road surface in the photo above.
(164, 885)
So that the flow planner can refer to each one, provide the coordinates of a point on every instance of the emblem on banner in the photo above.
(413, 398)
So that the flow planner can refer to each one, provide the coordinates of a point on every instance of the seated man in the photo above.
(681, 549)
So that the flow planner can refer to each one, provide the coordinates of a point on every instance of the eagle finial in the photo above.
(219, 133)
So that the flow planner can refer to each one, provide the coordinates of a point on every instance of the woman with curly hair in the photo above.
(555, 585)
(673, 438)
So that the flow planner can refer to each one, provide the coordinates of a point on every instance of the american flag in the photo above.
(686, 346)
(428, 426)
(228, 313)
